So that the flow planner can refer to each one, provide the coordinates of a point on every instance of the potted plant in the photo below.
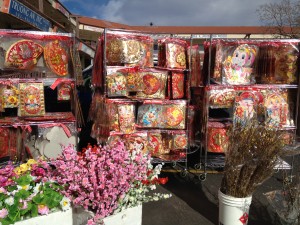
(27, 195)
(253, 151)
(107, 180)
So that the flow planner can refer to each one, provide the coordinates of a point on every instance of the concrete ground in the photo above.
(195, 202)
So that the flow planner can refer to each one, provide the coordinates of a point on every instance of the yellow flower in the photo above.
(24, 167)
(31, 162)
(17, 170)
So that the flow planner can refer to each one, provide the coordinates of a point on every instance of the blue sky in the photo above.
(171, 12)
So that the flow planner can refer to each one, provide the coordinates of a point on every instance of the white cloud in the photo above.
(171, 12)
(183, 13)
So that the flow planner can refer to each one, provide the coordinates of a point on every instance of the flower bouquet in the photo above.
(27, 192)
(253, 151)
(107, 180)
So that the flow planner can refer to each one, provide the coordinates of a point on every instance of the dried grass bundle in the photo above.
(252, 153)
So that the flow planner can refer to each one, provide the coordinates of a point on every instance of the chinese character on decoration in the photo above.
(244, 218)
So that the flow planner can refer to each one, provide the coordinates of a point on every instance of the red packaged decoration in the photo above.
(129, 50)
(155, 143)
(116, 82)
(174, 115)
(64, 91)
(180, 141)
(277, 62)
(126, 117)
(221, 98)
(238, 65)
(178, 84)
(245, 107)
(1, 105)
(31, 99)
(23, 54)
(217, 72)
(136, 142)
(113, 116)
(172, 53)
(134, 81)
(153, 84)
(150, 115)
(194, 57)
(8, 143)
(277, 110)
(56, 58)
(10, 96)
(217, 137)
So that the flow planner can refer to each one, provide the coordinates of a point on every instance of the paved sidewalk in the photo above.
(196, 202)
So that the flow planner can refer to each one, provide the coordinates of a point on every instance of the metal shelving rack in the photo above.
(210, 163)
(182, 162)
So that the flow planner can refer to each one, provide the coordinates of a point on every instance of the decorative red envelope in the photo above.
(173, 53)
(126, 117)
(178, 85)
(194, 62)
(113, 116)
(155, 143)
(150, 115)
(174, 116)
(245, 107)
(136, 142)
(129, 50)
(153, 85)
(10, 96)
(180, 141)
(31, 99)
(217, 137)
(134, 81)
(23, 54)
(116, 82)
(64, 91)
(277, 110)
(176, 55)
(56, 58)
(221, 98)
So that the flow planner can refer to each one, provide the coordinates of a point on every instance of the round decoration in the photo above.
(23, 54)
(218, 140)
(180, 141)
(32, 100)
(175, 116)
(180, 59)
(133, 51)
(56, 58)
(151, 84)
(114, 50)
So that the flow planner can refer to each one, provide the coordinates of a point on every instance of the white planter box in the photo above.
(56, 218)
(130, 216)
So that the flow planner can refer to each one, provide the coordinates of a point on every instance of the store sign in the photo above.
(24, 13)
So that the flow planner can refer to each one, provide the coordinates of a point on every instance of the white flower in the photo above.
(9, 201)
(36, 189)
(152, 187)
(65, 203)
(25, 187)
(155, 198)
(167, 195)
